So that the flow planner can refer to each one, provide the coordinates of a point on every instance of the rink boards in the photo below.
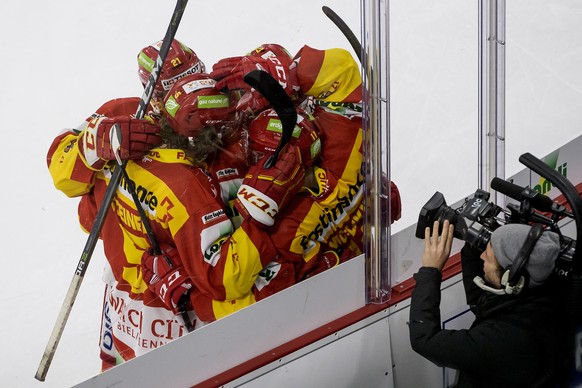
(320, 332)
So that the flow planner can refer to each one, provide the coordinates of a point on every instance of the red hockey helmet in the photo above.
(180, 62)
(194, 103)
(272, 49)
(265, 134)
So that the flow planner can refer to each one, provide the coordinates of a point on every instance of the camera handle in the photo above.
(573, 198)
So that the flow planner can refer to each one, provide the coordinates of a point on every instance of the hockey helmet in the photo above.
(265, 132)
(194, 103)
(180, 62)
(272, 49)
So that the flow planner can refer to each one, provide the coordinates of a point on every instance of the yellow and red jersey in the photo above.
(185, 208)
(328, 218)
(329, 75)
(324, 227)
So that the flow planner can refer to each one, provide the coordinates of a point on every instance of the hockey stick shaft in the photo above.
(348, 33)
(273, 92)
(75, 285)
(155, 245)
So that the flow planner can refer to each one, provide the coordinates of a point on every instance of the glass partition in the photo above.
(376, 76)
(544, 81)
(434, 105)
(433, 94)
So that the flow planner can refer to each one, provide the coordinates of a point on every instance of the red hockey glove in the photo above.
(138, 137)
(165, 275)
(395, 201)
(264, 191)
(230, 74)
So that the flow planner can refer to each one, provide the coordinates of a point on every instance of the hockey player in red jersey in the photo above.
(193, 103)
(327, 83)
(323, 225)
(203, 254)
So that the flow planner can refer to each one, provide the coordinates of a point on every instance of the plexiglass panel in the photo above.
(434, 101)
(434, 105)
(544, 81)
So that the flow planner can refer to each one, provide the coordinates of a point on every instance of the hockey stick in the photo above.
(348, 33)
(57, 332)
(183, 302)
(273, 92)
(115, 136)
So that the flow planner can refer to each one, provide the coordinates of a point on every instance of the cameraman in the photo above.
(516, 339)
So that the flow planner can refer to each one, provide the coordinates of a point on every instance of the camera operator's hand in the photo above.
(437, 248)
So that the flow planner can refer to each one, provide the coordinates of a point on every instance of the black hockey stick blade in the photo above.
(348, 33)
(273, 92)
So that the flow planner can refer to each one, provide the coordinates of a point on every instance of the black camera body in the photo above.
(476, 219)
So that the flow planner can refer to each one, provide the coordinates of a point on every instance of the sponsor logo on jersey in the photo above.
(332, 89)
(107, 329)
(209, 217)
(348, 108)
(212, 253)
(138, 326)
(146, 197)
(348, 206)
(268, 273)
(70, 145)
(226, 172)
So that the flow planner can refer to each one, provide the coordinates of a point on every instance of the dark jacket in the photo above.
(515, 340)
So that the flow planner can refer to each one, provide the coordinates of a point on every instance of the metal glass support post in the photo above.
(491, 94)
(376, 119)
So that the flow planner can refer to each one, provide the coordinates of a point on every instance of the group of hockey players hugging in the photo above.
(230, 230)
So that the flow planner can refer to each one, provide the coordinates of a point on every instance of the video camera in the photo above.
(476, 219)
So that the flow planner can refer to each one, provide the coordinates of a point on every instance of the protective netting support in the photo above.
(376, 75)
(491, 94)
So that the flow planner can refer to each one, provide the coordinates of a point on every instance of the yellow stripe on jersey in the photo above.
(134, 278)
(338, 78)
(239, 277)
(223, 308)
(170, 155)
(319, 179)
(133, 249)
(354, 164)
(62, 165)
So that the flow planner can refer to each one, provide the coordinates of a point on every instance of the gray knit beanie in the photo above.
(507, 241)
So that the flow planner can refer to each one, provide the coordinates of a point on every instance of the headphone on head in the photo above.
(513, 280)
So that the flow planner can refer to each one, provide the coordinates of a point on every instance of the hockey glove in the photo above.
(165, 275)
(98, 143)
(395, 201)
(230, 72)
(265, 191)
